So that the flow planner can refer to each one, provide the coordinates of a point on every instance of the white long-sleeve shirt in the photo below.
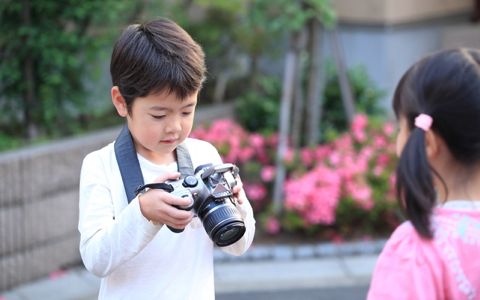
(136, 259)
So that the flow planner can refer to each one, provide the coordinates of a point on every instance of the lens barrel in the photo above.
(222, 222)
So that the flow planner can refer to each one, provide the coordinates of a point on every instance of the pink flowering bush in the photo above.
(339, 189)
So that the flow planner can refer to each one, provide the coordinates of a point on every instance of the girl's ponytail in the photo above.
(415, 187)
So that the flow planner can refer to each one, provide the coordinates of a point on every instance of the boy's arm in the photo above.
(108, 240)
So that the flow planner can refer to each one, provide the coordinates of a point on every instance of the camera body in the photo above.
(210, 189)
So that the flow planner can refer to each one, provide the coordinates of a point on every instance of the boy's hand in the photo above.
(238, 191)
(158, 205)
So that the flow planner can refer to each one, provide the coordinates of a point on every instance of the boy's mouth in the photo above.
(169, 141)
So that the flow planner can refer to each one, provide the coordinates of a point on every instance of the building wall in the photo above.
(390, 12)
(388, 36)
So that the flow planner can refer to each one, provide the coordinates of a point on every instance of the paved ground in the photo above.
(323, 271)
(338, 293)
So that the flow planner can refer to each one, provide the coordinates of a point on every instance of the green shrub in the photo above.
(258, 110)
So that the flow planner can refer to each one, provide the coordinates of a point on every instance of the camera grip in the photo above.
(176, 230)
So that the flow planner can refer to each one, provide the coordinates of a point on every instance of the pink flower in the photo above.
(358, 126)
(246, 154)
(289, 156)
(256, 140)
(255, 191)
(321, 152)
(379, 141)
(362, 194)
(383, 160)
(337, 239)
(57, 274)
(388, 128)
(272, 225)
(359, 122)
(378, 170)
(344, 142)
(314, 195)
(267, 173)
(307, 156)
(359, 135)
(334, 158)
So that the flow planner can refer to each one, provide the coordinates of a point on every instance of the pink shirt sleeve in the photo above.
(408, 268)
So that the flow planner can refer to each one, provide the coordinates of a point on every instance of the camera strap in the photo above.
(129, 165)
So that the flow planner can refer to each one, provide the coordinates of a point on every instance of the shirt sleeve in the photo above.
(406, 268)
(106, 240)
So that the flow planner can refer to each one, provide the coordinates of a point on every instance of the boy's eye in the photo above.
(186, 113)
(158, 116)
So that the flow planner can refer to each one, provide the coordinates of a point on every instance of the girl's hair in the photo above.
(154, 57)
(446, 86)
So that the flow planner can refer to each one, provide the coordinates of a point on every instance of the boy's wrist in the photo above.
(142, 211)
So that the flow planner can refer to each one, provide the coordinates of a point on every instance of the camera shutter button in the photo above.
(190, 181)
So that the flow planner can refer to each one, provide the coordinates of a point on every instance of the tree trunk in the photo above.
(29, 102)
(345, 88)
(291, 61)
(220, 87)
(299, 103)
(316, 85)
(298, 109)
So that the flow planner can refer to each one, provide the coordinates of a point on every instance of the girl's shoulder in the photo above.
(403, 238)
(444, 222)
(402, 264)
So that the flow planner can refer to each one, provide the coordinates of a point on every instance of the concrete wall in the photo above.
(39, 203)
(388, 50)
(396, 12)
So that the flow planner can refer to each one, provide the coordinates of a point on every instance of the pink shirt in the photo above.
(446, 267)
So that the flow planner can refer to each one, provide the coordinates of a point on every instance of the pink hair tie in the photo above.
(423, 121)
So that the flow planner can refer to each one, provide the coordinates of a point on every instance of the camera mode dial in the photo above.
(190, 181)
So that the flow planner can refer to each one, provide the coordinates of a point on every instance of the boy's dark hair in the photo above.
(446, 86)
(154, 57)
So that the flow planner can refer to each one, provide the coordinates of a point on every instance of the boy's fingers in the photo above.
(178, 216)
(167, 176)
(176, 201)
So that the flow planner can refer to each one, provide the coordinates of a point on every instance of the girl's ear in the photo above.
(119, 102)
(433, 144)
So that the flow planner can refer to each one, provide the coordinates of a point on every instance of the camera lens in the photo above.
(232, 232)
(222, 222)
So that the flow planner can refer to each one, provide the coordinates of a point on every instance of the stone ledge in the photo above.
(281, 252)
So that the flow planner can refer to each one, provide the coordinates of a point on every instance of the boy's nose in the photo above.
(174, 126)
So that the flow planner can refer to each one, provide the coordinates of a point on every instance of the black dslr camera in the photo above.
(211, 191)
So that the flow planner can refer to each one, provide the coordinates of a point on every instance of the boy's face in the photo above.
(158, 123)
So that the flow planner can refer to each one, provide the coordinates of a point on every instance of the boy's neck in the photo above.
(158, 158)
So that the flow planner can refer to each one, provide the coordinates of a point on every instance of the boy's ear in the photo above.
(119, 102)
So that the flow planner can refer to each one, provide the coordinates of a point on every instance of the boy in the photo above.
(157, 71)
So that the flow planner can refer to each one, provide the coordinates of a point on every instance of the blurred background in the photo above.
(297, 95)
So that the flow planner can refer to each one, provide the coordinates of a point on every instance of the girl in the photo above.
(435, 254)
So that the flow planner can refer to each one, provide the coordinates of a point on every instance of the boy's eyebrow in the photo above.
(156, 107)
